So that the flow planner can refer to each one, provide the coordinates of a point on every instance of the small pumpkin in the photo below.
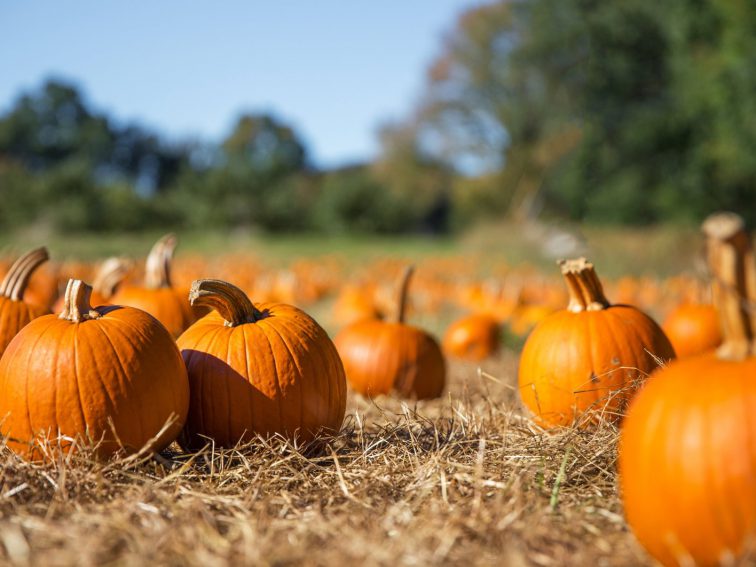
(112, 375)
(157, 296)
(693, 328)
(473, 337)
(384, 356)
(258, 370)
(15, 312)
(589, 357)
(687, 451)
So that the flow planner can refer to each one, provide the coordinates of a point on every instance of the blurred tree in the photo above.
(631, 111)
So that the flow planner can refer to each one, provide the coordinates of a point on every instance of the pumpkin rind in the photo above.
(115, 377)
(693, 329)
(15, 312)
(272, 371)
(157, 297)
(590, 357)
(381, 357)
(687, 452)
(474, 337)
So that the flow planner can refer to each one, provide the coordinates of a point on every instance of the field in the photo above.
(466, 479)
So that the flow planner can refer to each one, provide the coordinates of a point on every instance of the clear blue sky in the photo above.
(335, 69)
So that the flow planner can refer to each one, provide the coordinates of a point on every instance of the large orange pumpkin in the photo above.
(112, 375)
(384, 356)
(15, 313)
(258, 370)
(687, 454)
(589, 357)
(693, 328)
(473, 337)
(157, 296)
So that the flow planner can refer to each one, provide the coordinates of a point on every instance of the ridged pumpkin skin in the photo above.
(279, 374)
(158, 297)
(688, 460)
(693, 329)
(118, 364)
(167, 305)
(590, 359)
(15, 311)
(474, 337)
(687, 451)
(380, 357)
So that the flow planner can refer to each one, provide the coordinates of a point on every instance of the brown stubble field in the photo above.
(462, 480)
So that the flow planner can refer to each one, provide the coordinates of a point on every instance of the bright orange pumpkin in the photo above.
(112, 375)
(590, 357)
(473, 337)
(15, 313)
(157, 296)
(258, 370)
(687, 454)
(693, 328)
(384, 356)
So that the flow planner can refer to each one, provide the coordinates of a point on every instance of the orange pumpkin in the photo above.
(15, 313)
(693, 329)
(589, 357)
(687, 453)
(158, 297)
(111, 375)
(384, 356)
(110, 275)
(258, 370)
(473, 337)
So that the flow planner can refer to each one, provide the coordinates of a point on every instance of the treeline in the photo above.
(638, 111)
(64, 165)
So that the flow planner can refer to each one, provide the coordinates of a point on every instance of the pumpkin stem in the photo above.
(731, 262)
(228, 300)
(110, 275)
(15, 281)
(157, 273)
(401, 304)
(76, 305)
(584, 286)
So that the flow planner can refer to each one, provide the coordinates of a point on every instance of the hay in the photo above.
(463, 480)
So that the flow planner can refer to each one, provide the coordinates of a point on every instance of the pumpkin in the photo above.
(693, 328)
(157, 296)
(258, 370)
(15, 312)
(112, 375)
(590, 357)
(687, 451)
(110, 274)
(384, 356)
(473, 337)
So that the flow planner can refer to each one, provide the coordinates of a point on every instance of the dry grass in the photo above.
(464, 480)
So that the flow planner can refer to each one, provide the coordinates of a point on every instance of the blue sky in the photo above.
(335, 69)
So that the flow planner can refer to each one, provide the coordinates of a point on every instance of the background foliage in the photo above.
(608, 112)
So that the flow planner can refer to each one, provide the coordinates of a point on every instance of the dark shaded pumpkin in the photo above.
(258, 370)
(381, 357)
(473, 337)
(110, 375)
(15, 313)
(157, 296)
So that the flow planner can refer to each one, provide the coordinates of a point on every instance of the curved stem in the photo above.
(732, 266)
(15, 281)
(158, 266)
(76, 306)
(227, 299)
(401, 304)
(110, 275)
(584, 286)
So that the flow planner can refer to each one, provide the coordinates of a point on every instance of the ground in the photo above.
(466, 479)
